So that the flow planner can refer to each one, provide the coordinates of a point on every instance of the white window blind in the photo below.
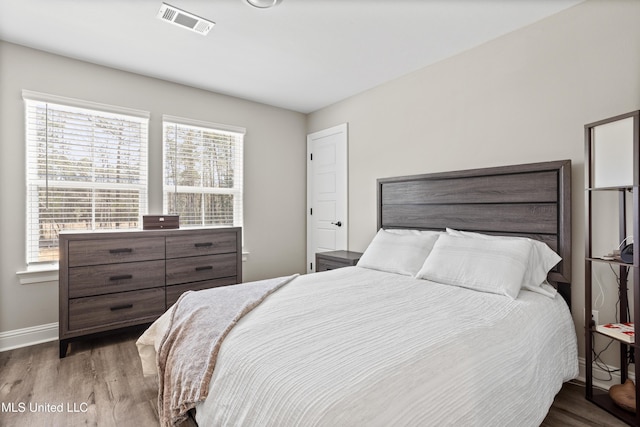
(203, 172)
(86, 170)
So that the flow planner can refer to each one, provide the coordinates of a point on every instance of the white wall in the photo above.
(521, 98)
(274, 178)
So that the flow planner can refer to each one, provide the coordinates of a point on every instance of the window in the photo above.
(202, 172)
(86, 169)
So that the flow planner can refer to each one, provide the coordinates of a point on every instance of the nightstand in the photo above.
(336, 259)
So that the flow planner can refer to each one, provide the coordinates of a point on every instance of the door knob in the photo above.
(339, 223)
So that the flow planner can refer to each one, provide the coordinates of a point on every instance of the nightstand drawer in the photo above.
(114, 309)
(336, 259)
(110, 278)
(204, 243)
(174, 292)
(328, 264)
(194, 269)
(110, 251)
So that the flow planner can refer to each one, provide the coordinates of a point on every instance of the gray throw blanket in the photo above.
(188, 351)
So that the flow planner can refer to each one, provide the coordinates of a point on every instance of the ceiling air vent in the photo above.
(184, 19)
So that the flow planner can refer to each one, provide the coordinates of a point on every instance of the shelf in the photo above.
(630, 344)
(623, 188)
(602, 399)
(610, 261)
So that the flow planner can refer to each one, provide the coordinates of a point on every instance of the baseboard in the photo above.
(28, 336)
(600, 375)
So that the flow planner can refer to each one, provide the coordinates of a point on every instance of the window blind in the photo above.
(86, 170)
(203, 172)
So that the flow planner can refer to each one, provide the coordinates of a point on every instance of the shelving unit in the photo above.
(616, 170)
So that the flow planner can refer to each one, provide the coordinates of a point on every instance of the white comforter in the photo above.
(358, 347)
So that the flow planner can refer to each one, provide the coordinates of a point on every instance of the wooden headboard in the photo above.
(530, 200)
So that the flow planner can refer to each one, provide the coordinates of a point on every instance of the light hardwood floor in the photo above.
(100, 383)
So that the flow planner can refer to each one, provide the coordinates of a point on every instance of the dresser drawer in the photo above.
(195, 269)
(204, 243)
(109, 251)
(125, 308)
(174, 292)
(110, 278)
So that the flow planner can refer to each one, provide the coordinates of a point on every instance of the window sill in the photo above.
(40, 274)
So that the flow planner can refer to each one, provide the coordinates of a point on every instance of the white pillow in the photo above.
(402, 253)
(487, 265)
(542, 259)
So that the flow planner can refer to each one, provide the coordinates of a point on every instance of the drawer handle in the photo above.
(120, 250)
(206, 267)
(203, 245)
(121, 277)
(121, 307)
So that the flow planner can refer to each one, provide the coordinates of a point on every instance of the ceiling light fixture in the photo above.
(184, 19)
(263, 4)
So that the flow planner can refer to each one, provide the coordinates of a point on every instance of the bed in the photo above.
(446, 320)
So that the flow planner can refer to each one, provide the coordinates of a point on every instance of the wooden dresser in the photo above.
(113, 280)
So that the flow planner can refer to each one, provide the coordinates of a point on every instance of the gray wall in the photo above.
(274, 178)
(521, 98)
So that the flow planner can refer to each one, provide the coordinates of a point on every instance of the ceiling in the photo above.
(301, 55)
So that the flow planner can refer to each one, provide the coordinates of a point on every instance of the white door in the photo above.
(327, 227)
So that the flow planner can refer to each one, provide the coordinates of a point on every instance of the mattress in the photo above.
(354, 347)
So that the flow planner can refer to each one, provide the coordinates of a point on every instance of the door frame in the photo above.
(341, 128)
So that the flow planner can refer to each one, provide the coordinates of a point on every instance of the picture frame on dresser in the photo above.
(113, 280)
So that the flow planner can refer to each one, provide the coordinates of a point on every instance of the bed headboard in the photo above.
(530, 200)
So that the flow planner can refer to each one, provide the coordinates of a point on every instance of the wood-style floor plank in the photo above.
(571, 409)
(100, 383)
